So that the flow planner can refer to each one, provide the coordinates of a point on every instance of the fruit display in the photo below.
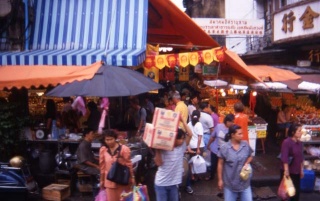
(276, 101)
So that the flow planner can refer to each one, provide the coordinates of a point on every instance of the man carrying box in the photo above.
(170, 166)
(181, 107)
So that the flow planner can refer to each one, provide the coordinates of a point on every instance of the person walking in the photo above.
(170, 166)
(108, 154)
(241, 119)
(292, 158)
(216, 140)
(234, 155)
(206, 121)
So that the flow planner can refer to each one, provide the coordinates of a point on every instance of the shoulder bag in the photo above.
(119, 173)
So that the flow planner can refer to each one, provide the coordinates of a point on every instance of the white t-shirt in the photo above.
(206, 121)
(191, 108)
(197, 130)
(170, 172)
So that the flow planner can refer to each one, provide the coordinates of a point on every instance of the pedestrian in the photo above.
(292, 158)
(181, 108)
(108, 154)
(170, 166)
(196, 144)
(216, 140)
(241, 119)
(140, 116)
(234, 156)
(206, 121)
(194, 100)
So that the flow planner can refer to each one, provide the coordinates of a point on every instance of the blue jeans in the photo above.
(167, 193)
(206, 138)
(245, 195)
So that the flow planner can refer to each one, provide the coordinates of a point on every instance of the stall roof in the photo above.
(293, 84)
(27, 76)
(276, 74)
(237, 63)
(169, 26)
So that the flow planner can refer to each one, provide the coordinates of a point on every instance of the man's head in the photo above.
(205, 107)
(180, 137)
(238, 107)
(134, 102)
(176, 98)
(88, 134)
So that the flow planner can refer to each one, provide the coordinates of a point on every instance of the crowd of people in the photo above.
(199, 130)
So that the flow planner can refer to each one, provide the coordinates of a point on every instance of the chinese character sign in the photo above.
(301, 20)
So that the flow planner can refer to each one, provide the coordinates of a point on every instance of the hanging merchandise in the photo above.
(161, 61)
(171, 60)
(149, 62)
(169, 74)
(207, 56)
(194, 58)
(219, 53)
(184, 73)
(152, 73)
(183, 59)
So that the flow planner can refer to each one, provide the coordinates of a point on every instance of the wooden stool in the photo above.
(85, 182)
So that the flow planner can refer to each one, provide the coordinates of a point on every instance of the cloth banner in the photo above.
(194, 58)
(172, 60)
(183, 59)
(207, 56)
(184, 73)
(161, 61)
(169, 74)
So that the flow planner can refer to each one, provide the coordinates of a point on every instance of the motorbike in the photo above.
(16, 181)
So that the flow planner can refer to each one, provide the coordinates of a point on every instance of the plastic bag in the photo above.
(286, 188)
(245, 173)
(102, 195)
(138, 193)
(198, 165)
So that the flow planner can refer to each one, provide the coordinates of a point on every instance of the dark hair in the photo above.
(203, 105)
(284, 106)
(228, 117)
(232, 130)
(193, 96)
(86, 131)
(195, 117)
(180, 134)
(109, 133)
(238, 107)
(213, 108)
(293, 129)
(92, 106)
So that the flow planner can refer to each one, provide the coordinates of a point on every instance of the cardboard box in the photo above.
(166, 119)
(159, 138)
(56, 192)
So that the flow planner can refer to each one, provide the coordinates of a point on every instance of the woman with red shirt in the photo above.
(241, 119)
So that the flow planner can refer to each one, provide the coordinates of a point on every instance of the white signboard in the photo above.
(303, 20)
(221, 26)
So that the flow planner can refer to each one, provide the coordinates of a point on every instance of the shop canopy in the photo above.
(265, 72)
(83, 32)
(27, 76)
(313, 79)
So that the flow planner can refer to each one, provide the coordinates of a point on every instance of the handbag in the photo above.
(119, 173)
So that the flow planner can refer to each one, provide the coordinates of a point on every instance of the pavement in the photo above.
(264, 182)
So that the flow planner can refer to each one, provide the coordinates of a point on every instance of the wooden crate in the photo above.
(56, 192)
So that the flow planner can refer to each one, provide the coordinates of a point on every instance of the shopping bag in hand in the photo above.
(286, 188)
(138, 193)
(102, 195)
(198, 165)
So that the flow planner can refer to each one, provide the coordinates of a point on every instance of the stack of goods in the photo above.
(261, 126)
(161, 134)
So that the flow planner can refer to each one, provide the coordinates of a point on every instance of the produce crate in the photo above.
(56, 192)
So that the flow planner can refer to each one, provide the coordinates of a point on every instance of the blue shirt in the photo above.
(234, 161)
(218, 133)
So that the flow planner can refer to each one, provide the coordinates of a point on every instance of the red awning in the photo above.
(169, 26)
(234, 61)
(27, 76)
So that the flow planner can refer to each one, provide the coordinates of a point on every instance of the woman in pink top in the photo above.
(108, 155)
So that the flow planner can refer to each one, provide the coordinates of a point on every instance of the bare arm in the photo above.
(198, 144)
(210, 141)
(220, 171)
(187, 129)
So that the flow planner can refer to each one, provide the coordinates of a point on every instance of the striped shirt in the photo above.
(170, 172)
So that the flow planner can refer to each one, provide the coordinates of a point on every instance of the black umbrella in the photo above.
(108, 81)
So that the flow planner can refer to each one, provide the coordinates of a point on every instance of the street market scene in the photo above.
(159, 100)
